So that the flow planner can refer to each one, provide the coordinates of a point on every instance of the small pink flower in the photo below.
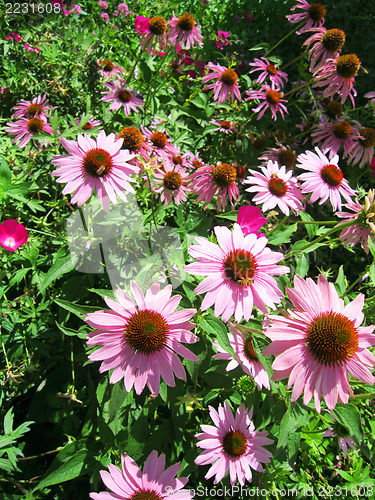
(104, 16)
(247, 16)
(142, 24)
(268, 70)
(77, 9)
(103, 4)
(9, 37)
(250, 219)
(222, 40)
(12, 235)
(271, 98)
(122, 7)
(17, 37)
(225, 85)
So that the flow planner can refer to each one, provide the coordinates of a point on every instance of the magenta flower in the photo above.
(324, 179)
(320, 342)
(12, 235)
(225, 85)
(332, 135)
(92, 164)
(172, 184)
(142, 24)
(222, 40)
(232, 444)
(156, 34)
(224, 126)
(103, 4)
(324, 44)
(119, 96)
(269, 70)
(245, 357)
(155, 483)
(250, 220)
(239, 272)
(26, 128)
(140, 339)
(29, 109)
(271, 98)
(313, 13)
(183, 31)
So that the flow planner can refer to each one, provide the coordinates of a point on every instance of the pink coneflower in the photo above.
(324, 179)
(12, 235)
(109, 70)
(338, 76)
(365, 227)
(324, 44)
(239, 272)
(209, 180)
(140, 339)
(245, 357)
(225, 85)
(134, 142)
(119, 96)
(332, 109)
(171, 180)
(223, 125)
(275, 187)
(159, 142)
(156, 34)
(250, 220)
(313, 13)
(28, 109)
(282, 155)
(268, 70)
(26, 128)
(271, 98)
(232, 444)
(88, 124)
(320, 342)
(333, 135)
(184, 31)
(363, 150)
(92, 164)
(155, 483)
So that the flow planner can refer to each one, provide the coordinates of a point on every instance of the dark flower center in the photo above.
(333, 109)
(277, 186)
(35, 109)
(177, 160)
(333, 40)
(240, 266)
(241, 171)
(34, 125)
(133, 138)
(287, 157)
(342, 130)
(348, 66)
(331, 175)
(234, 444)
(225, 124)
(273, 97)
(97, 162)
(107, 65)
(124, 95)
(159, 139)
(145, 495)
(317, 11)
(224, 174)
(172, 180)
(197, 164)
(186, 22)
(332, 338)
(248, 350)
(271, 69)
(146, 332)
(369, 137)
(259, 142)
(87, 126)
(158, 25)
(229, 77)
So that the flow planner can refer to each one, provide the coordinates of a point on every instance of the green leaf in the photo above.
(282, 235)
(341, 280)
(62, 266)
(70, 332)
(64, 468)
(310, 228)
(295, 417)
(218, 328)
(5, 172)
(146, 71)
(78, 310)
(229, 215)
(349, 416)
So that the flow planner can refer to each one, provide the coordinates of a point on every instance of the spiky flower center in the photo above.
(229, 77)
(197, 164)
(271, 69)
(186, 22)
(317, 11)
(145, 495)
(234, 444)
(333, 109)
(224, 174)
(177, 160)
(87, 126)
(245, 385)
(132, 138)
(34, 109)
(287, 157)
(241, 171)
(225, 124)
(158, 25)
(348, 66)
(248, 350)
(124, 95)
(240, 266)
(277, 186)
(146, 332)
(97, 162)
(107, 65)
(331, 175)
(342, 130)
(332, 338)
(369, 137)
(159, 139)
(172, 180)
(333, 40)
(273, 97)
(34, 125)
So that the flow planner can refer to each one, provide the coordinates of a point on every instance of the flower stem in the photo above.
(306, 84)
(294, 60)
(302, 23)
(133, 68)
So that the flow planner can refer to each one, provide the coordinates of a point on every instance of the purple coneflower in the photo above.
(184, 31)
(109, 70)
(333, 135)
(363, 150)
(313, 13)
(26, 128)
(225, 85)
(119, 96)
(324, 44)
(268, 70)
(29, 109)
(155, 34)
(282, 155)
(172, 184)
(223, 125)
(271, 98)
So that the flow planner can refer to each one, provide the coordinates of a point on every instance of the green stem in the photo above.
(306, 84)
(277, 225)
(294, 60)
(302, 23)
(359, 397)
(156, 72)
(133, 68)
(354, 284)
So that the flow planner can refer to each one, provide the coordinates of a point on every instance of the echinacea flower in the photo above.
(154, 483)
(232, 444)
(332, 135)
(184, 31)
(224, 126)
(363, 150)
(155, 34)
(89, 124)
(313, 13)
(140, 339)
(246, 357)
(271, 98)
(29, 109)
(268, 70)
(324, 44)
(109, 70)
(171, 180)
(209, 180)
(319, 342)
(274, 186)
(250, 220)
(134, 142)
(120, 96)
(332, 109)
(282, 155)
(159, 142)
(92, 164)
(12, 235)
(225, 84)
(239, 272)
(26, 128)
(324, 179)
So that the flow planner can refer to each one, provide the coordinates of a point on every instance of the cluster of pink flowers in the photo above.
(14, 36)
